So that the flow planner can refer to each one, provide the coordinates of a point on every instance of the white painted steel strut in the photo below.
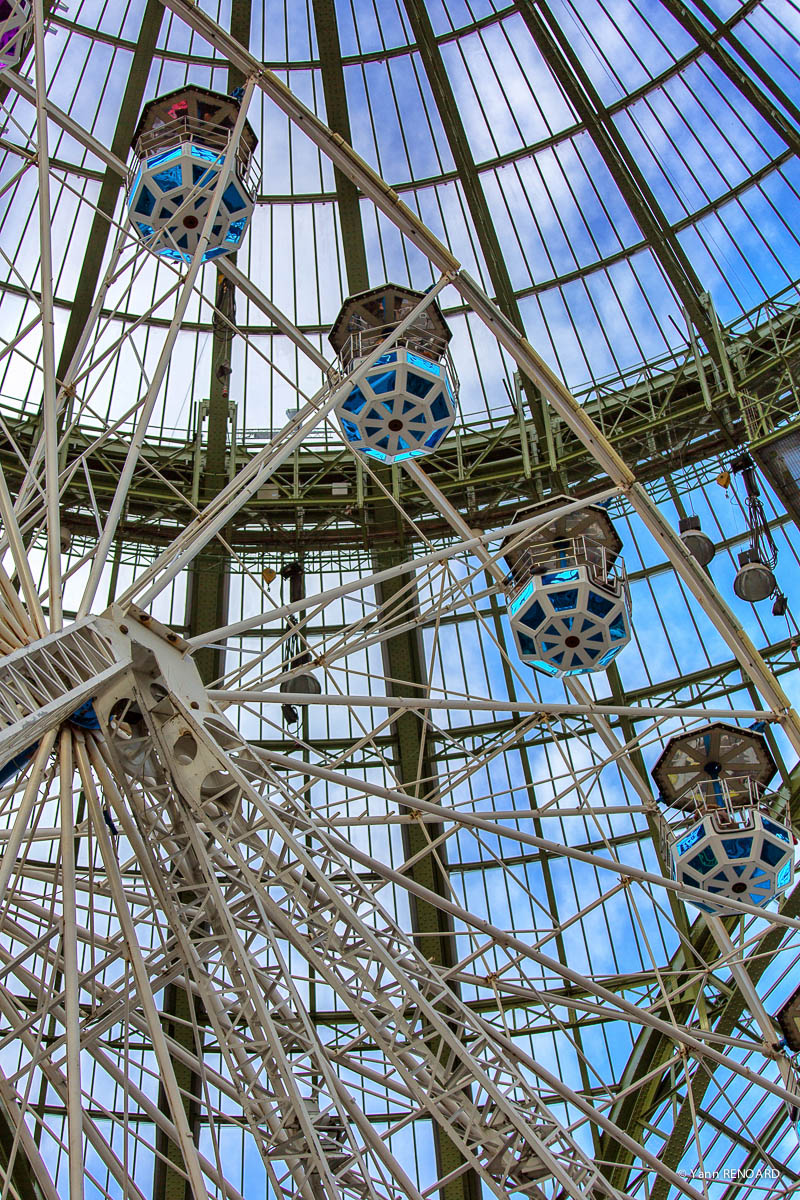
(192, 791)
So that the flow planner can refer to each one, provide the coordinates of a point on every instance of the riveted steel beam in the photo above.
(210, 572)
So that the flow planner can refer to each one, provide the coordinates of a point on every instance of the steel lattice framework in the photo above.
(407, 931)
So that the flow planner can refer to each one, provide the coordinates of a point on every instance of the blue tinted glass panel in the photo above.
(439, 409)
(435, 437)
(568, 598)
(355, 401)
(599, 605)
(617, 627)
(544, 666)
(520, 599)
(741, 847)
(772, 854)
(351, 431)
(146, 231)
(383, 382)
(785, 875)
(692, 837)
(704, 862)
(608, 657)
(146, 202)
(415, 361)
(232, 199)
(236, 230)
(776, 830)
(201, 174)
(534, 616)
(207, 155)
(169, 179)
(162, 158)
(526, 644)
(560, 577)
(391, 356)
(417, 386)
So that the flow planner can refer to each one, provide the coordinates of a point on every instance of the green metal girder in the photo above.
(210, 572)
(169, 1172)
(402, 655)
(557, 51)
(478, 206)
(458, 142)
(338, 119)
(544, 858)
(768, 103)
(660, 424)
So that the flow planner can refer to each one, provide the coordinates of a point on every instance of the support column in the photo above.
(209, 579)
(404, 663)
(208, 593)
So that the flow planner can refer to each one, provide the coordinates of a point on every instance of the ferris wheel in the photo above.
(234, 959)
